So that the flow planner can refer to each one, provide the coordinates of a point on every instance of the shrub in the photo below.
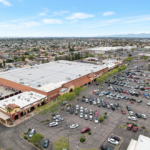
(83, 96)
(100, 119)
(82, 139)
(127, 123)
(105, 113)
(25, 137)
(89, 133)
(143, 127)
(53, 115)
(77, 99)
(105, 117)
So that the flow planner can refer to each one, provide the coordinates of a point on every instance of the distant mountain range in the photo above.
(130, 35)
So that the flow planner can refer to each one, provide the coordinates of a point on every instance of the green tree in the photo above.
(46, 54)
(31, 57)
(26, 53)
(61, 143)
(77, 91)
(42, 61)
(9, 111)
(70, 96)
(22, 58)
(4, 63)
(36, 138)
(100, 81)
(1, 65)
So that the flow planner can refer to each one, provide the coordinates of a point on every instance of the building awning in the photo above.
(4, 116)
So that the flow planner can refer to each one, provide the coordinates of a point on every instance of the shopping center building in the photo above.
(44, 83)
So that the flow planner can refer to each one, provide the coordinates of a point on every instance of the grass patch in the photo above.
(123, 126)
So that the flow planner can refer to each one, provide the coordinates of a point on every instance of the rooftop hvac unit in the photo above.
(4, 104)
(18, 97)
(79, 74)
(28, 100)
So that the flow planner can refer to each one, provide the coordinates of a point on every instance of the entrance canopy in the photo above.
(4, 116)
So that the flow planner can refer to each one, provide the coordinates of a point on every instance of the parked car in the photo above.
(81, 115)
(115, 137)
(32, 132)
(96, 113)
(71, 111)
(96, 120)
(123, 111)
(105, 148)
(85, 130)
(59, 119)
(143, 116)
(81, 109)
(52, 124)
(90, 112)
(129, 127)
(73, 126)
(128, 108)
(116, 104)
(139, 101)
(132, 118)
(77, 107)
(46, 143)
(112, 107)
(135, 128)
(138, 115)
(90, 117)
(86, 110)
(131, 113)
(85, 116)
(76, 112)
(112, 141)
(148, 103)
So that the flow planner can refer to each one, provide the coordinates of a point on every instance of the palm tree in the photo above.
(9, 111)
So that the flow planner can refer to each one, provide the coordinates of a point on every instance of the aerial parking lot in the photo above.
(117, 100)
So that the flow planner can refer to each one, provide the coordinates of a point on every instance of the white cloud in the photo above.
(20, 25)
(52, 21)
(60, 13)
(45, 12)
(5, 2)
(108, 13)
(42, 14)
(79, 16)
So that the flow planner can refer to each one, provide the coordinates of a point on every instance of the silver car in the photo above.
(86, 117)
(90, 117)
(52, 124)
(143, 116)
(81, 115)
(86, 110)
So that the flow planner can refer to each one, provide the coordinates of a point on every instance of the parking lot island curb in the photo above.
(30, 143)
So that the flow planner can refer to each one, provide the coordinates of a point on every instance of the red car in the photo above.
(127, 92)
(147, 88)
(123, 111)
(123, 91)
(130, 126)
(135, 128)
(96, 114)
(85, 130)
(131, 102)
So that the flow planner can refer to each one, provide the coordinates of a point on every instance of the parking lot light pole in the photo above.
(68, 140)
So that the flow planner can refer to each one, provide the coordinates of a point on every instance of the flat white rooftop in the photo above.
(143, 143)
(50, 75)
(110, 48)
(22, 99)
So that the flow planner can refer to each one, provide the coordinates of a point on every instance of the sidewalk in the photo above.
(20, 120)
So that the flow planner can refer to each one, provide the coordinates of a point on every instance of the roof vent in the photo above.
(4, 104)
(28, 100)
(79, 74)
(13, 99)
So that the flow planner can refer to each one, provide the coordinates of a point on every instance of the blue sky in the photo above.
(58, 18)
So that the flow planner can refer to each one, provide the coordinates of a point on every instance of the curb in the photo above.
(104, 120)
(30, 143)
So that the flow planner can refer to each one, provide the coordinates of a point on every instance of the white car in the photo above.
(112, 141)
(110, 103)
(131, 113)
(74, 126)
(132, 118)
(77, 107)
(96, 120)
(101, 95)
(148, 103)
(81, 109)
(57, 116)
(52, 124)
(143, 116)
(81, 115)
(59, 119)
(107, 96)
